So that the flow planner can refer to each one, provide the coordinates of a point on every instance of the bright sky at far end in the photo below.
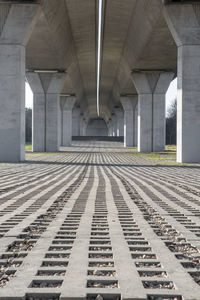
(170, 96)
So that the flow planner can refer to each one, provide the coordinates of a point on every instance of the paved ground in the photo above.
(100, 222)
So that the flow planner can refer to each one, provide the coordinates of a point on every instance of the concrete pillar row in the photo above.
(114, 125)
(46, 89)
(120, 121)
(110, 127)
(76, 121)
(67, 104)
(82, 126)
(151, 87)
(184, 23)
(14, 35)
(129, 105)
(136, 125)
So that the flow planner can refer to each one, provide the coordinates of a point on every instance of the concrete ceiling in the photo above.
(135, 36)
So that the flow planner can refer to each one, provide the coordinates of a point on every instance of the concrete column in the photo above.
(114, 125)
(110, 128)
(129, 105)
(17, 23)
(52, 122)
(67, 104)
(151, 88)
(184, 24)
(82, 126)
(120, 121)
(46, 88)
(39, 113)
(136, 125)
(76, 121)
(59, 125)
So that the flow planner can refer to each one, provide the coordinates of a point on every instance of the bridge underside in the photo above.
(99, 222)
(53, 44)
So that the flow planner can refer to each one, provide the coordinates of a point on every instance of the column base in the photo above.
(10, 150)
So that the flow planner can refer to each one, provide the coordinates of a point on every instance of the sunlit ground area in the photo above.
(167, 156)
(28, 147)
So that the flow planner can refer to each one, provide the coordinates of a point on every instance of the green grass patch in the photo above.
(158, 156)
(44, 154)
(134, 149)
(168, 155)
(170, 148)
(4, 164)
(28, 147)
(173, 164)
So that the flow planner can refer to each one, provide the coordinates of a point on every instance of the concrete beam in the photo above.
(20, 20)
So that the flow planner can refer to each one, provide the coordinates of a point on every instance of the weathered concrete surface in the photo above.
(99, 220)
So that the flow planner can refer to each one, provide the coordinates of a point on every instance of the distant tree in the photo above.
(28, 125)
(171, 124)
